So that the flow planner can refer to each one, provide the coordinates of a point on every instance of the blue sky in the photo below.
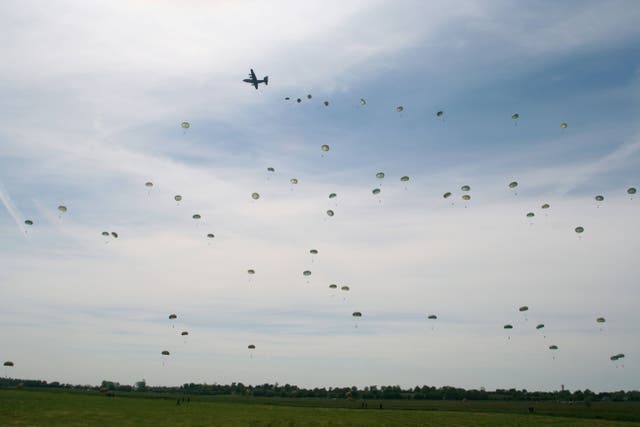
(93, 98)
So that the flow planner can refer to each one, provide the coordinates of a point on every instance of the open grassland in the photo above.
(53, 408)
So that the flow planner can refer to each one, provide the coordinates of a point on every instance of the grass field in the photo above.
(60, 408)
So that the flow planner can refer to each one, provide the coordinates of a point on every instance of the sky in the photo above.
(93, 95)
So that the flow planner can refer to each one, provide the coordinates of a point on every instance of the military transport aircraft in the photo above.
(254, 80)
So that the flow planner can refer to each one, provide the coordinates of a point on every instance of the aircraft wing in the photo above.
(252, 75)
(255, 83)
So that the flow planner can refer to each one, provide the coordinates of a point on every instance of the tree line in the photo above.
(371, 392)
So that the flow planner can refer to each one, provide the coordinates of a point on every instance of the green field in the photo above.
(61, 408)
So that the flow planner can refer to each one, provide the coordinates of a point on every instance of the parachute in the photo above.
(523, 308)
(251, 271)
(599, 198)
(333, 286)
(165, 353)
(362, 101)
(326, 103)
(513, 184)
(579, 230)
(177, 198)
(210, 236)
(553, 347)
(515, 116)
(196, 216)
(313, 252)
(28, 222)
(332, 195)
(563, 125)
(330, 212)
(376, 191)
(309, 96)
(631, 190)
(530, 215)
(255, 196)
(105, 233)
(545, 206)
(446, 195)
(306, 273)
(173, 316)
(466, 197)
(324, 147)
(540, 326)
(432, 317)
(148, 184)
(507, 326)
(404, 178)
(601, 320)
(439, 113)
(357, 314)
(344, 288)
(8, 363)
(185, 125)
(251, 347)
(62, 208)
(465, 188)
(183, 333)
(286, 98)
(271, 170)
(380, 175)
(399, 108)
(114, 234)
(293, 181)
(298, 100)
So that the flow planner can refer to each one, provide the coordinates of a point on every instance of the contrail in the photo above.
(11, 208)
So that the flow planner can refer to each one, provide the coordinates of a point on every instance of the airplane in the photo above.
(254, 81)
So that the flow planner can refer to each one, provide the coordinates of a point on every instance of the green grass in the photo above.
(60, 408)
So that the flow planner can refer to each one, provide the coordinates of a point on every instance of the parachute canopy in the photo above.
(293, 180)
(185, 125)
(446, 195)
(148, 184)
(599, 198)
(579, 230)
(333, 286)
(196, 216)
(376, 191)
(508, 326)
(324, 147)
(8, 363)
(210, 236)
(62, 208)
(270, 169)
(601, 320)
(309, 96)
(563, 125)
(515, 116)
(380, 175)
(251, 271)
(177, 197)
(439, 113)
(298, 100)
(465, 188)
(553, 347)
(631, 190)
(306, 273)
(255, 196)
(251, 347)
(404, 178)
(313, 252)
(173, 316)
(105, 233)
(362, 101)
(28, 222)
(332, 195)
(523, 308)
(330, 212)
(540, 326)
(466, 197)
(513, 184)
(530, 215)
(183, 333)
(344, 288)
(357, 314)
(165, 353)
(399, 108)
(326, 103)
(545, 206)
(114, 234)
(432, 316)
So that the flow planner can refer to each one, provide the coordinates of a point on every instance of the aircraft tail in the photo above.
(266, 80)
